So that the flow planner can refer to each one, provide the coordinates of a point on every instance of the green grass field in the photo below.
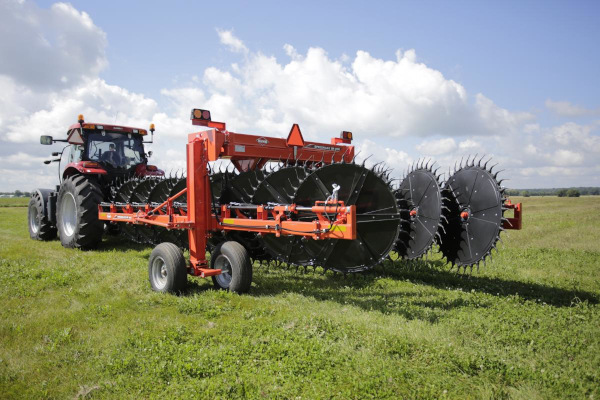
(79, 324)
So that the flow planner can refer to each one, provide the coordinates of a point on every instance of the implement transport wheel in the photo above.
(40, 228)
(167, 269)
(234, 262)
(77, 213)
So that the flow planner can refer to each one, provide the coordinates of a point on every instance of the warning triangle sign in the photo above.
(295, 137)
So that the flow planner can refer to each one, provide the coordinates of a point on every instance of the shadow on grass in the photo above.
(436, 274)
(120, 243)
(197, 286)
(363, 291)
(430, 273)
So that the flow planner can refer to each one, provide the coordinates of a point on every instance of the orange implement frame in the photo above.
(246, 152)
(516, 221)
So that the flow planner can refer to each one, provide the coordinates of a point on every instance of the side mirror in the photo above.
(149, 154)
(55, 153)
(46, 140)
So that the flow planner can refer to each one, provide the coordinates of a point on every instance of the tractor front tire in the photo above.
(234, 262)
(77, 213)
(167, 269)
(40, 227)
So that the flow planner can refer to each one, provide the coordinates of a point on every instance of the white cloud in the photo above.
(470, 145)
(291, 52)
(575, 135)
(22, 160)
(437, 147)
(566, 158)
(49, 49)
(231, 41)
(566, 109)
(372, 153)
(94, 98)
(499, 120)
(395, 98)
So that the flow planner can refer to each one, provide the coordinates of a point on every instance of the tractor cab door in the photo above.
(75, 153)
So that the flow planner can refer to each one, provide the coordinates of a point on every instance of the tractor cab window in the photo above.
(118, 150)
(75, 153)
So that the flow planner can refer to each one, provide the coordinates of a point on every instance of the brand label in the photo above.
(240, 149)
(262, 141)
(320, 147)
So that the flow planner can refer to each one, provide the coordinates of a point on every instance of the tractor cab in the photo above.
(110, 151)
(116, 148)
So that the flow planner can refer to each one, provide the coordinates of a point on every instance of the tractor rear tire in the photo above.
(167, 270)
(233, 259)
(40, 227)
(77, 213)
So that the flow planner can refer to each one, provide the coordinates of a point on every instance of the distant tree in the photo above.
(525, 193)
(595, 191)
(573, 193)
(562, 193)
(18, 193)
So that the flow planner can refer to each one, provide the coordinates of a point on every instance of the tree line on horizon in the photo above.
(560, 192)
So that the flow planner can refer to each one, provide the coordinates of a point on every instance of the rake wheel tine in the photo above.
(376, 165)
(479, 162)
(473, 160)
(344, 156)
(365, 160)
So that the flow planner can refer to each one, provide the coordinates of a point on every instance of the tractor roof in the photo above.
(112, 128)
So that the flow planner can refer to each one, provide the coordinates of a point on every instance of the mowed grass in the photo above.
(14, 201)
(79, 324)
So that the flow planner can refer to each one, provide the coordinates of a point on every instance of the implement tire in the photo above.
(233, 259)
(77, 213)
(167, 269)
(40, 227)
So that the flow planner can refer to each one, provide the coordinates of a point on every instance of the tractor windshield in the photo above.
(117, 150)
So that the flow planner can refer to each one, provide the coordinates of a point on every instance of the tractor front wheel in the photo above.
(234, 262)
(40, 227)
(77, 213)
(167, 269)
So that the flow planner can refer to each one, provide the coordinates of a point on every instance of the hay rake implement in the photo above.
(305, 204)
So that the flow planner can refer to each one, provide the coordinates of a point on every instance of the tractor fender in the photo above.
(148, 170)
(76, 168)
(49, 200)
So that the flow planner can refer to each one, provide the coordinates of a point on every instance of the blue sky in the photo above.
(514, 79)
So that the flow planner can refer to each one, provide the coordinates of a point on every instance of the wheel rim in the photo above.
(34, 223)
(68, 214)
(223, 263)
(160, 273)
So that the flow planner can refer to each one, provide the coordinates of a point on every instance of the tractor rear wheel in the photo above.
(234, 261)
(40, 227)
(167, 269)
(77, 213)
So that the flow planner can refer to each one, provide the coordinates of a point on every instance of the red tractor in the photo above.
(98, 157)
